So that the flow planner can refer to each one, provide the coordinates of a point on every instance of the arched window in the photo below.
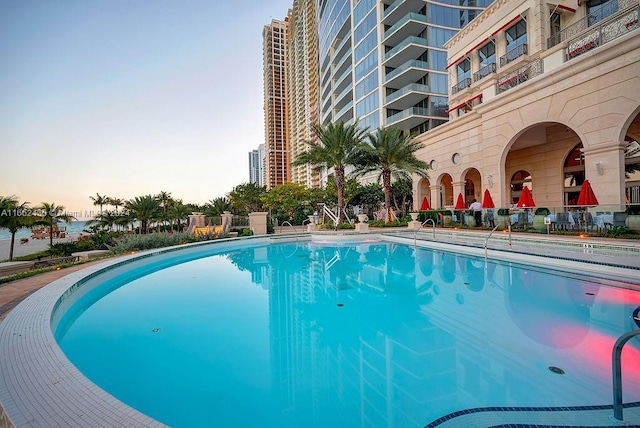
(519, 181)
(632, 171)
(573, 175)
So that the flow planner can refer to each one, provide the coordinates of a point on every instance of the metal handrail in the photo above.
(617, 372)
(415, 235)
(289, 223)
(486, 240)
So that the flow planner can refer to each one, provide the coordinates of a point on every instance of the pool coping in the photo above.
(40, 387)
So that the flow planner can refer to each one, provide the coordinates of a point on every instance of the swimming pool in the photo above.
(366, 332)
(331, 333)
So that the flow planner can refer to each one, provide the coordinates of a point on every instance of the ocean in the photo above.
(73, 227)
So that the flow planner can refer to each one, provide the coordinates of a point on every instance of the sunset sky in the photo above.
(127, 98)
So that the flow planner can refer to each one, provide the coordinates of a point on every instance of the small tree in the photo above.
(52, 214)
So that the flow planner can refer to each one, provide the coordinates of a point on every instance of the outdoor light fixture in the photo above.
(599, 168)
(490, 179)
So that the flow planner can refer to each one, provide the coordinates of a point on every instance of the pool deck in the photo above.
(615, 251)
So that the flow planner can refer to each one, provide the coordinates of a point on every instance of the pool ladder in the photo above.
(415, 235)
(617, 372)
(486, 240)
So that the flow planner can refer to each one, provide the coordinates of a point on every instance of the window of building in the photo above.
(555, 29)
(516, 41)
(574, 175)
(600, 9)
(365, 47)
(519, 181)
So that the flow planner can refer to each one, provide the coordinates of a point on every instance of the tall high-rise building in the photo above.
(302, 85)
(256, 166)
(384, 62)
(275, 103)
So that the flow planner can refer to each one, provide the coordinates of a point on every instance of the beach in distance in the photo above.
(74, 230)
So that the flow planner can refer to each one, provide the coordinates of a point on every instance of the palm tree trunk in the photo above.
(51, 232)
(340, 189)
(386, 181)
(13, 240)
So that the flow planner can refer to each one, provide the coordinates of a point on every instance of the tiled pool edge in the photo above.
(53, 392)
(61, 384)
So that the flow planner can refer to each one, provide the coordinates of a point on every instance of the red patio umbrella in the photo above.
(526, 200)
(425, 204)
(587, 198)
(460, 203)
(487, 200)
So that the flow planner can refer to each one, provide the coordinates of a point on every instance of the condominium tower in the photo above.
(256, 166)
(275, 103)
(302, 85)
(384, 62)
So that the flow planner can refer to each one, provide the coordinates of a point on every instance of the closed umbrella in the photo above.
(425, 204)
(487, 201)
(526, 200)
(460, 203)
(587, 198)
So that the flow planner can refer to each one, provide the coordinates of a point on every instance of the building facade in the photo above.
(383, 62)
(257, 173)
(543, 95)
(302, 85)
(275, 103)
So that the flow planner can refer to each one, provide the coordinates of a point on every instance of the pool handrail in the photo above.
(617, 372)
(292, 227)
(415, 235)
(486, 240)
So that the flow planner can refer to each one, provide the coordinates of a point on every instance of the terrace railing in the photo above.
(578, 27)
(464, 83)
(484, 71)
(603, 33)
(521, 75)
(514, 54)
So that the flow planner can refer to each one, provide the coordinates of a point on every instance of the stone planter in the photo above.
(362, 218)
(414, 216)
(633, 222)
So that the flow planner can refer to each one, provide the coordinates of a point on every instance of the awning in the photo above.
(455, 62)
(511, 21)
(469, 101)
(477, 46)
(561, 8)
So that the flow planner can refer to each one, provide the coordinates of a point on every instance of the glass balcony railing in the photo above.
(414, 87)
(413, 111)
(406, 42)
(344, 110)
(404, 67)
(390, 9)
(408, 17)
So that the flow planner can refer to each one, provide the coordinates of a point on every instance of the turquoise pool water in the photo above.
(344, 334)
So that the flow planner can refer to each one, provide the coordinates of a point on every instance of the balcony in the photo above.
(343, 63)
(400, 8)
(343, 80)
(406, 97)
(484, 71)
(461, 85)
(603, 33)
(513, 54)
(412, 23)
(519, 76)
(410, 48)
(342, 99)
(609, 9)
(410, 71)
(409, 118)
(345, 113)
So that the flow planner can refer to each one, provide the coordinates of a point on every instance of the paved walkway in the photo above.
(12, 293)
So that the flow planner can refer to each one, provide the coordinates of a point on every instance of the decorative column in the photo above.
(604, 167)
(196, 220)
(227, 218)
(258, 223)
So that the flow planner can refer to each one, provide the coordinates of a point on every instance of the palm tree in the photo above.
(392, 153)
(144, 209)
(99, 200)
(338, 146)
(215, 207)
(178, 212)
(13, 216)
(116, 202)
(53, 213)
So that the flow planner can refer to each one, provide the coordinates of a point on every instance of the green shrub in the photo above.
(246, 232)
(129, 243)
